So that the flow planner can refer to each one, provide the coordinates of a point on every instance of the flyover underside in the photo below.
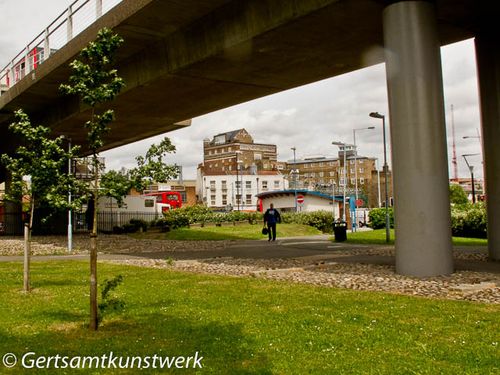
(183, 61)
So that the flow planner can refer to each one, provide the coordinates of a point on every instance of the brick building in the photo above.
(326, 174)
(235, 169)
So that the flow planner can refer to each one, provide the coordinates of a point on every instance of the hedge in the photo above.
(469, 220)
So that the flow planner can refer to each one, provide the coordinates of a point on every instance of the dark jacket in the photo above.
(272, 216)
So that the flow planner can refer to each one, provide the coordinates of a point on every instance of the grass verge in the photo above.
(231, 232)
(377, 237)
(244, 325)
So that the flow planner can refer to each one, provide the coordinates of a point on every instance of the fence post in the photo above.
(98, 8)
(69, 24)
(27, 61)
(46, 45)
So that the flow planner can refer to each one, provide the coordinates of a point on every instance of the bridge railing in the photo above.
(76, 18)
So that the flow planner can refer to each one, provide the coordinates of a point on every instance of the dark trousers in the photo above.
(272, 231)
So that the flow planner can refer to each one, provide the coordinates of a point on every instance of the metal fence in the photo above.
(12, 224)
(76, 18)
(106, 221)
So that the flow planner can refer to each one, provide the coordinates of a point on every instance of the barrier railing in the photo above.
(76, 18)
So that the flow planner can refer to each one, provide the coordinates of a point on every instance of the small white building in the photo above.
(311, 201)
(231, 191)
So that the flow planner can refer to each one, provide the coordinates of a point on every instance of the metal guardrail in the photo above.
(76, 18)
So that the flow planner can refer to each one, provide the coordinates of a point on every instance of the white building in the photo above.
(238, 191)
(310, 201)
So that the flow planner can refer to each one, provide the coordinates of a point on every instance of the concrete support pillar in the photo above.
(418, 139)
(488, 66)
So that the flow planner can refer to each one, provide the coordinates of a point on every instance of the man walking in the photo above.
(271, 217)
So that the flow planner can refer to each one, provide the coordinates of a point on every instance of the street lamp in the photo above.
(478, 137)
(387, 221)
(344, 146)
(471, 169)
(355, 225)
(294, 175)
(70, 213)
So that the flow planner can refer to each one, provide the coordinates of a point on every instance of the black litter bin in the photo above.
(340, 231)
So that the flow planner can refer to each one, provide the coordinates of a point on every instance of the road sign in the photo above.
(360, 202)
(300, 199)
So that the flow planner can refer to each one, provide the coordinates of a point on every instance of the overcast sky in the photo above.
(309, 117)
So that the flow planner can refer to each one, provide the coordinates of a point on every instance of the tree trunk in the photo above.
(94, 323)
(27, 254)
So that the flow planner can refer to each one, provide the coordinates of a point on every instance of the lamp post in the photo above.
(387, 221)
(70, 213)
(343, 145)
(355, 225)
(471, 169)
(478, 137)
(294, 175)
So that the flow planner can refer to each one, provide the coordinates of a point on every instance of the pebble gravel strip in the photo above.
(464, 285)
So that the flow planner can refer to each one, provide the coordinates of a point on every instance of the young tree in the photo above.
(152, 166)
(116, 184)
(39, 176)
(458, 195)
(95, 83)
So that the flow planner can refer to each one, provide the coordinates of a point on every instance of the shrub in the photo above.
(108, 302)
(469, 220)
(321, 220)
(377, 218)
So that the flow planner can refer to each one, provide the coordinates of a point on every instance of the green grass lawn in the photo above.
(378, 237)
(232, 232)
(245, 325)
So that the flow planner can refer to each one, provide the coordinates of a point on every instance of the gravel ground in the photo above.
(464, 285)
(107, 244)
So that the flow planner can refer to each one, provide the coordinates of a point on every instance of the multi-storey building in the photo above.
(328, 174)
(235, 169)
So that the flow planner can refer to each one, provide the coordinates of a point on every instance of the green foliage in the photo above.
(152, 166)
(377, 218)
(95, 84)
(458, 195)
(184, 216)
(116, 184)
(321, 220)
(110, 303)
(45, 161)
(469, 220)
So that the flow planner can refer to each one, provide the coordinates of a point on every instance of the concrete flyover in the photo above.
(184, 59)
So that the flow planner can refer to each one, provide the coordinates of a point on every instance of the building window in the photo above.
(361, 170)
(248, 200)
(212, 200)
(352, 171)
(248, 184)
(224, 199)
(238, 198)
(264, 185)
(321, 174)
(353, 181)
(321, 164)
(212, 185)
(276, 184)
(306, 165)
(362, 181)
(238, 184)
(224, 185)
(332, 173)
(342, 181)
